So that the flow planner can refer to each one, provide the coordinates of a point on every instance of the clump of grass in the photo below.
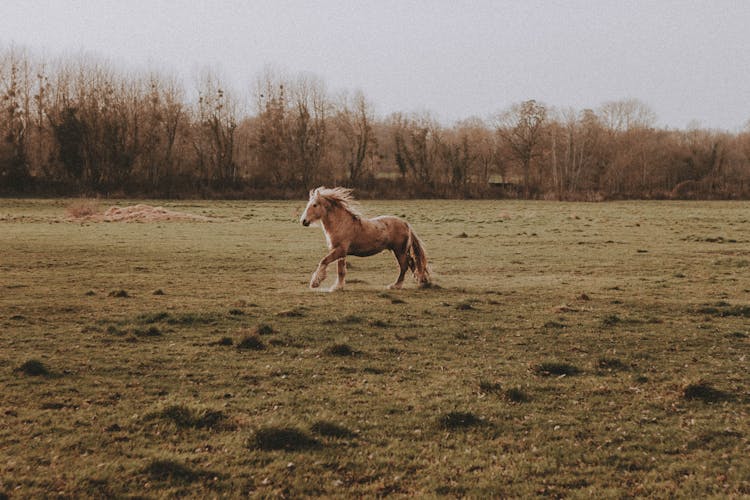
(225, 341)
(156, 317)
(611, 320)
(203, 318)
(179, 415)
(516, 395)
(703, 391)
(458, 420)
(295, 312)
(742, 311)
(340, 350)
(121, 294)
(555, 325)
(152, 331)
(173, 471)
(724, 309)
(462, 235)
(397, 301)
(714, 311)
(236, 312)
(34, 368)
(610, 364)
(351, 319)
(330, 429)
(186, 418)
(464, 305)
(715, 439)
(113, 330)
(378, 323)
(90, 293)
(264, 329)
(549, 368)
(251, 342)
(429, 285)
(158, 291)
(488, 387)
(282, 438)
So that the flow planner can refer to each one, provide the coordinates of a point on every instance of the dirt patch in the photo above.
(140, 213)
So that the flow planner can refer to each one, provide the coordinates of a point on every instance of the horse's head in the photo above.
(315, 209)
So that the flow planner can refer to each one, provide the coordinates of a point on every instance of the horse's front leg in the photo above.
(320, 273)
(341, 277)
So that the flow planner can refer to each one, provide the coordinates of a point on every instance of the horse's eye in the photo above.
(315, 205)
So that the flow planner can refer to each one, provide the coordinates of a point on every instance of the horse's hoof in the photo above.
(394, 286)
(314, 284)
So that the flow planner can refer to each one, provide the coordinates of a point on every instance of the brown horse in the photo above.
(349, 233)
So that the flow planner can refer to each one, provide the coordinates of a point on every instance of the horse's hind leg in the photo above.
(339, 285)
(403, 262)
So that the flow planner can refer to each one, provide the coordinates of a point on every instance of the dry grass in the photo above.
(480, 388)
(83, 208)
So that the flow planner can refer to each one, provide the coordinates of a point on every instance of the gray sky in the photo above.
(688, 60)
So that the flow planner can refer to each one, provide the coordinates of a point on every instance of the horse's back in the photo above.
(385, 232)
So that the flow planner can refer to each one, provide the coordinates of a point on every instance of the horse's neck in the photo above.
(336, 222)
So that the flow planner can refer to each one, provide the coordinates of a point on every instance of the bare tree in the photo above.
(521, 128)
(214, 131)
(308, 130)
(356, 139)
(626, 114)
(271, 129)
(15, 119)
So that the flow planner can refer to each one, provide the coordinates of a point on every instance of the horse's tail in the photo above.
(418, 259)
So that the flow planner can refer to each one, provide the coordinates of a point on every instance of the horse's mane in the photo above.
(341, 197)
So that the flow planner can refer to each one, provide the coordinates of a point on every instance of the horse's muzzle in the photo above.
(305, 222)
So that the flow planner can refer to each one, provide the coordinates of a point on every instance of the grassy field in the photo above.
(570, 350)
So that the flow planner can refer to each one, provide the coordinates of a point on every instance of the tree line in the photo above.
(80, 127)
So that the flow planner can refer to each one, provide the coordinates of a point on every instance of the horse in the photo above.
(348, 232)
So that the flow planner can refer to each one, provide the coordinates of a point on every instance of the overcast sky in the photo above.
(688, 60)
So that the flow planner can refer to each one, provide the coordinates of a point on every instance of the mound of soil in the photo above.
(141, 213)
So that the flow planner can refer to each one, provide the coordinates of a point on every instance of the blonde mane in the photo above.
(341, 197)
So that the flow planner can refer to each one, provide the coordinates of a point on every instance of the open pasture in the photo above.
(570, 350)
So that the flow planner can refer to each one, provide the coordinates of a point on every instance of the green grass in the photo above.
(570, 350)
